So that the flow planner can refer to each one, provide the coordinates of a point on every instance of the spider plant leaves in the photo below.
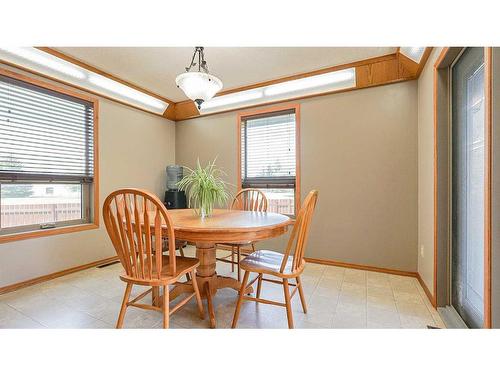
(205, 187)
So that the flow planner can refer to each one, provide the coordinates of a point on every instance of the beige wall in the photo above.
(135, 147)
(359, 149)
(426, 171)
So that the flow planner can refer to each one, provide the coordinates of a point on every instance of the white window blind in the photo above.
(44, 135)
(268, 154)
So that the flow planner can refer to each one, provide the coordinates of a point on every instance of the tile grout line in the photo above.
(84, 312)
(26, 316)
(338, 299)
(65, 304)
(317, 283)
(366, 299)
(396, 304)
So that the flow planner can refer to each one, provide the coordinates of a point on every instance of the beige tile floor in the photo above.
(336, 297)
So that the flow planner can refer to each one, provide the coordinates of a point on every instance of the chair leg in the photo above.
(232, 258)
(240, 299)
(165, 307)
(238, 249)
(197, 295)
(301, 294)
(126, 297)
(259, 285)
(288, 303)
(155, 296)
(181, 252)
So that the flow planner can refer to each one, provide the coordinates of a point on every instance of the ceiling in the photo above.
(155, 68)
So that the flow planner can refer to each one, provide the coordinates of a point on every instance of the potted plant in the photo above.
(204, 187)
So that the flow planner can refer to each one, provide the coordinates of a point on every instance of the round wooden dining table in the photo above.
(222, 226)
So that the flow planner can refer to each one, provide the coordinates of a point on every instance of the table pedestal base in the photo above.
(208, 280)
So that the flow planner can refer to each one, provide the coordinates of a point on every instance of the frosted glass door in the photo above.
(468, 164)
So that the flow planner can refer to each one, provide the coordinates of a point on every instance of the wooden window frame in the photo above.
(94, 224)
(268, 110)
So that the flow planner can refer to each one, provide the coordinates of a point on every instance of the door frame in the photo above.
(442, 179)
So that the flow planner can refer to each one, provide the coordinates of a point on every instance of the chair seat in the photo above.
(182, 266)
(269, 262)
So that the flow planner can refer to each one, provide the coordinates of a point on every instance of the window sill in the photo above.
(46, 232)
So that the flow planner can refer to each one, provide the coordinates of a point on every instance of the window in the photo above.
(47, 156)
(268, 146)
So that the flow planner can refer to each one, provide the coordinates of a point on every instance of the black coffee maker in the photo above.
(174, 198)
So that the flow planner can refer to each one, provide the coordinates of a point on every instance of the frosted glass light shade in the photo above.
(334, 80)
(232, 99)
(199, 87)
(321, 83)
(414, 53)
(44, 59)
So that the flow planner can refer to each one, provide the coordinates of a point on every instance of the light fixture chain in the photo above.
(202, 64)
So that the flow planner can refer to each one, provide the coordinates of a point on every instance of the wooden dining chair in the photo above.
(179, 244)
(245, 200)
(289, 265)
(136, 222)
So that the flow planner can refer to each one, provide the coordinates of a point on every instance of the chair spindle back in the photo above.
(134, 219)
(250, 200)
(300, 232)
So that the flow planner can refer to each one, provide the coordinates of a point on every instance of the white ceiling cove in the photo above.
(155, 68)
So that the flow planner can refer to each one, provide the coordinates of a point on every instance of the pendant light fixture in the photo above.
(199, 86)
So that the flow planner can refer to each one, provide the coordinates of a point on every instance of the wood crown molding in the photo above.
(376, 71)
(410, 67)
(101, 72)
(75, 61)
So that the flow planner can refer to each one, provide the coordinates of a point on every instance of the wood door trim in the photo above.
(437, 65)
(428, 293)
(487, 182)
(296, 108)
(488, 185)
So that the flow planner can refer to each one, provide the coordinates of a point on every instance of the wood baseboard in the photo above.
(41, 279)
(429, 295)
(361, 267)
(427, 291)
